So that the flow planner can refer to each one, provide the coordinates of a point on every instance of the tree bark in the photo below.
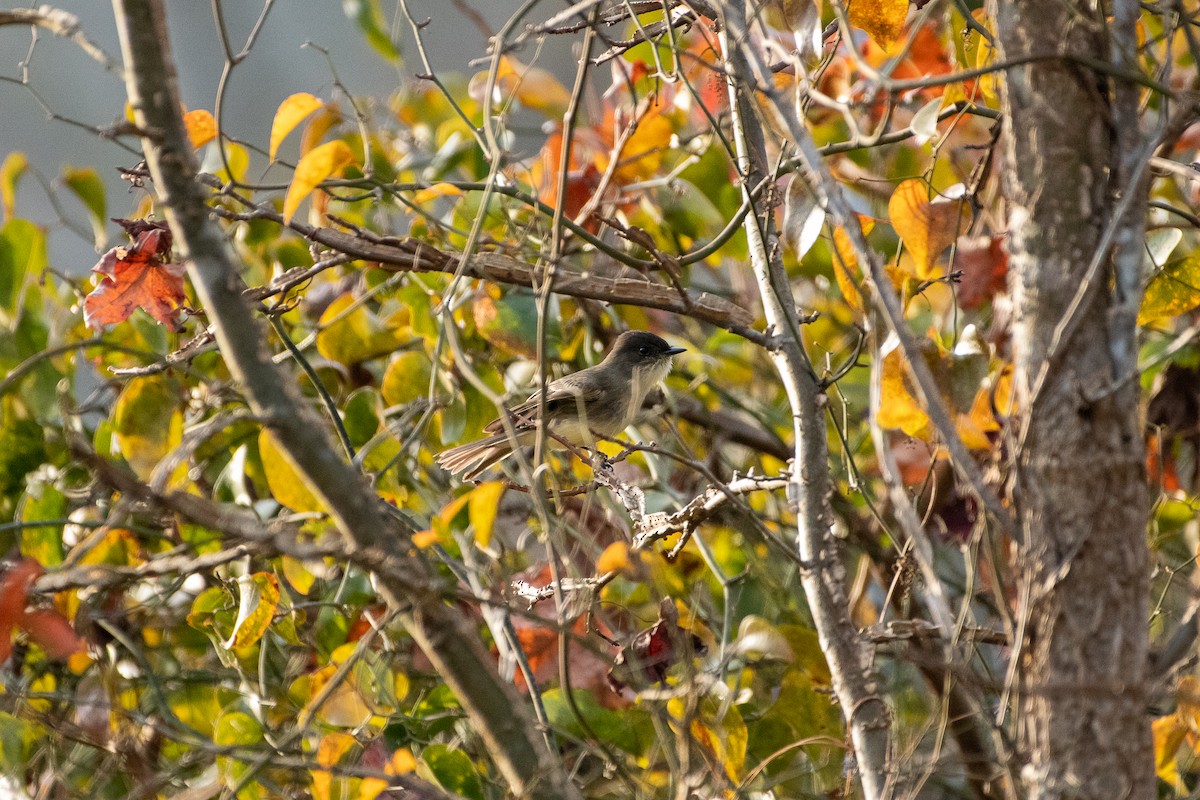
(1076, 216)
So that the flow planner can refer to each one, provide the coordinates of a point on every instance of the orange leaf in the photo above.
(289, 114)
(927, 228)
(316, 165)
(137, 277)
(201, 127)
(883, 20)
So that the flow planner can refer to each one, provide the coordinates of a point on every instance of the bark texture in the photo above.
(1078, 482)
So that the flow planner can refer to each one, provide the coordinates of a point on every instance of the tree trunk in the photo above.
(1079, 484)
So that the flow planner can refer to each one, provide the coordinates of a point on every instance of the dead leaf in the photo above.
(137, 277)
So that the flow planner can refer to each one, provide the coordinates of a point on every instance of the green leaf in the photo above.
(368, 15)
(237, 729)
(22, 256)
(510, 323)
(22, 447)
(407, 378)
(631, 729)
(42, 543)
(454, 771)
(1173, 291)
(87, 186)
(360, 415)
(147, 422)
(16, 743)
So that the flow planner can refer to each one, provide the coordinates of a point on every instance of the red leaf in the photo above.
(137, 277)
(53, 632)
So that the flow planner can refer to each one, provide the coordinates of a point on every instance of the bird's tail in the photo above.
(474, 457)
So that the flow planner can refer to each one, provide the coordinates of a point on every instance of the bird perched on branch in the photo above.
(598, 401)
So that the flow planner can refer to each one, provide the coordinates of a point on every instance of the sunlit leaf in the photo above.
(883, 20)
(139, 276)
(1173, 291)
(615, 558)
(258, 599)
(315, 166)
(482, 509)
(201, 127)
(291, 112)
(533, 87)
(331, 749)
(926, 227)
(287, 485)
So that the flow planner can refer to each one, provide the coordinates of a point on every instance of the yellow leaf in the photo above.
(147, 422)
(406, 378)
(424, 539)
(534, 87)
(201, 127)
(298, 575)
(289, 114)
(898, 408)
(1174, 290)
(643, 151)
(258, 599)
(350, 333)
(318, 126)
(615, 558)
(984, 56)
(286, 484)
(883, 20)
(315, 166)
(482, 508)
(332, 748)
(1168, 735)
(403, 762)
(10, 173)
(433, 192)
(845, 263)
(927, 228)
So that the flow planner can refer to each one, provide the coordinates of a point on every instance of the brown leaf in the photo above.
(984, 267)
(137, 277)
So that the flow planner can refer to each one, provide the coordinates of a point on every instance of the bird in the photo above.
(597, 401)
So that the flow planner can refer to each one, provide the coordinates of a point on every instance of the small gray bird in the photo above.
(598, 401)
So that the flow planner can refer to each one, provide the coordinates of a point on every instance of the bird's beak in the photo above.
(674, 351)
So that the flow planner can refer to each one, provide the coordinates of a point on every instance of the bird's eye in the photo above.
(644, 350)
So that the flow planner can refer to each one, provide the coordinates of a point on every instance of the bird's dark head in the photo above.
(642, 349)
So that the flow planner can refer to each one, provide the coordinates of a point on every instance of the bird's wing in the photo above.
(562, 393)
